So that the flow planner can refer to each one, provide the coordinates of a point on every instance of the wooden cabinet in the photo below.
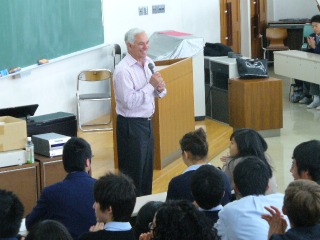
(51, 170)
(255, 103)
(24, 182)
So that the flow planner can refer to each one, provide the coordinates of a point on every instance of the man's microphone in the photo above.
(151, 67)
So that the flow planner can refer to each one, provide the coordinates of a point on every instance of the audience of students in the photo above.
(241, 219)
(179, 219)
(145, 216)
(194, 147)
(69, 201)
(306, 161)
(115, 199)
(49, 230)
(11, 213)
(207, 185)
(302, 206)
(247, 142)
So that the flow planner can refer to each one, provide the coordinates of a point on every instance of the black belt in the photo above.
(137, 118)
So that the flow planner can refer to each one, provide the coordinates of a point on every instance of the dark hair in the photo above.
(180, 219)
(307, 157)
(11, 213)
(250, 143)
(251, 176)
(145, 216)
(207, 185)
(315, 18)
(302, 203)
(196, 143)
(49, 230)
(118, 192)
(76, 151)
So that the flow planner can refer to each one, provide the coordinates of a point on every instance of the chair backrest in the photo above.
(95, 75)
(276, 36)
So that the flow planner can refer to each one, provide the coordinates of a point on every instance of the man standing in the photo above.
(135, 87)
(69, 201)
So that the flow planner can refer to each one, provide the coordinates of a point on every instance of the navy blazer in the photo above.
(317, 49)
(69, 202)
(180, 188)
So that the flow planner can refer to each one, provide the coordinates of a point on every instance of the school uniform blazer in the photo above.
(69, 202)
(180, 188)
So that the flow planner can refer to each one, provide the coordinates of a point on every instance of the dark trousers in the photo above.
(136, 151)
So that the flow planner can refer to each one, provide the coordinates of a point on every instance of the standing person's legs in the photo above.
(314, 91)
(133, 137)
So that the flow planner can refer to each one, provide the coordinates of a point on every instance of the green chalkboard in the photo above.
(34, 29)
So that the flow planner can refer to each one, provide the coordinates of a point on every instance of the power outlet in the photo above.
(143, 11)
(158, 9)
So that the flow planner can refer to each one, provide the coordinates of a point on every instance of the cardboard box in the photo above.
(13, 133)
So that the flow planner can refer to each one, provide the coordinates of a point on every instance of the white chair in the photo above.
(102, 92)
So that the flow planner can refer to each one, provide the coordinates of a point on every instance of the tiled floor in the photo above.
(299, 124)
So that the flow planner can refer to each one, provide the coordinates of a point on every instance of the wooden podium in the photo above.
(256, 103)
(174, 114)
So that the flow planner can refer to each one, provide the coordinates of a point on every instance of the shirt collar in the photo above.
(216, 208)
(117, 226)
(194, 167)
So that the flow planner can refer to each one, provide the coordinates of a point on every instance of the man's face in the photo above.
(139, 49)
(100, 215)
(294, 170)
(316, 27)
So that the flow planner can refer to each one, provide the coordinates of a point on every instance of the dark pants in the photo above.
(136, 151)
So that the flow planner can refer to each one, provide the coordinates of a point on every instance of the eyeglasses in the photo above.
(151, 226)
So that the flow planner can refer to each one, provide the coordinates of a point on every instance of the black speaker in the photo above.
(59, 122)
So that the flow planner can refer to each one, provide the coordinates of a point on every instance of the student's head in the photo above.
(306, 161)
(76, 155)
(114, 197)
(248, 142)
(194, 145)
(302, 203)
(49, 230)
(177, 220)
(315, 22)
(251, 176)
(137, 43)
(145, 216)
(11, 213)
(207, 185)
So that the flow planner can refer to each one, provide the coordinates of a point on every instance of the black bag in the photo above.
(216, 49)
(252, 68)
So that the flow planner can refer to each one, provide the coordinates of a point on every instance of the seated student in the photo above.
(177, 220)
(306, 161)
(69, 201)
(145, 216)
(207, 185)
(302, 206)
(241, 219)
(115, 198)
(194, 148)
(247, 142)
(49, 230)
(11, 213)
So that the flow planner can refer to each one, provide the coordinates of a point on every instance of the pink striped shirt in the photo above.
(133, 92)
